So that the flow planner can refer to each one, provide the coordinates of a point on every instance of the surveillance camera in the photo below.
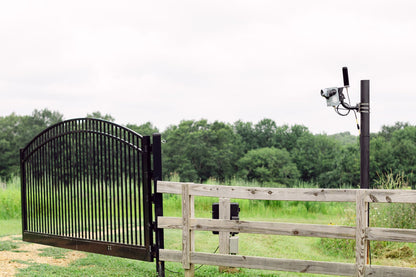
(332, 96)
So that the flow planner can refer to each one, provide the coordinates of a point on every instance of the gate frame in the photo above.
(152, 202)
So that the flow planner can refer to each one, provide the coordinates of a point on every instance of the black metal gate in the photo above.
(87, 185)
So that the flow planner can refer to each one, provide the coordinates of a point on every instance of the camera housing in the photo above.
(332, 96)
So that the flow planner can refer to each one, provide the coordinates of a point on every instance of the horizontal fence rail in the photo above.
(361, 232)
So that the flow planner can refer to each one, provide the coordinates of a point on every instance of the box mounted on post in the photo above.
(234, 213)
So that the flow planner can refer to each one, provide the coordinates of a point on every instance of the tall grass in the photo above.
(10, 199)
(386, 215)
(300, 211)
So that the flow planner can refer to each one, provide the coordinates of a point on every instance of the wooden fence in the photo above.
(361, 232)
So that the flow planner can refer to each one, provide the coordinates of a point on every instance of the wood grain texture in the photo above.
(342, 269)
(360, 240)
(361, 233)
(258, 227)
(256, 193)
(390, 234)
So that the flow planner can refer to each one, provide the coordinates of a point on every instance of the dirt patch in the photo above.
(26, 253)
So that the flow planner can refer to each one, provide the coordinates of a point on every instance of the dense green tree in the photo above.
(404, 152)
(146, 129)
(16, 131)
(315, 157)
(381, 156)
(99, 115)
(345, 138)
(198, 150)
(265, 133)
(393, 150)
(268, 165)
(347, 168)
(287, 137)
(387, 131)
(247, 135)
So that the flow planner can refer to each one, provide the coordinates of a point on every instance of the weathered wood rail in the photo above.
(361, 232)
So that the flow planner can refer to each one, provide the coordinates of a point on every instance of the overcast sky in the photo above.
(165, 61)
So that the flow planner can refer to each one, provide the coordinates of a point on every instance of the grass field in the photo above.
(249, 244)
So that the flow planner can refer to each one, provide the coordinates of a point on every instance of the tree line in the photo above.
(264, 152)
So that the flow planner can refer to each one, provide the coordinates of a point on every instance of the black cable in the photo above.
(338, 108)
(355, 113)
(171, 271)
(347, 107)
(177, 272)
(212, 253)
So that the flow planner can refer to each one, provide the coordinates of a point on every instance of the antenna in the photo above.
(345, 75)
(336, 100)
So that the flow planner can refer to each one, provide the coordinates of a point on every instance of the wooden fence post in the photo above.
(224, 237)
(361, 244)
(188, 244)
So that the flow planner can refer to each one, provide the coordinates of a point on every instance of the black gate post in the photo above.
(147, 191)
(158, 201)
(365, 134)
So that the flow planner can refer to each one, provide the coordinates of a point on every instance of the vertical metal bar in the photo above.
(125, 185)
(96, 230)
(107, 185)
(365, 134)
(54, 181)
(100, 182)
(158, 200)
(62, 178)
(114, 186)
(66, 178)
(94, 182)
(99, 192)
(147, 191)
(88, 184)
(131, 176)
(136, 185)
(38, 194)
(29, 186)
(90, 146)
(28, 180)
(23, 191)
(59, 179)
(79, 180)
(84, 180)
(71, 184)
(44, 206)
(31, 199)
(50, 187)
(140, 183)
(120, 180)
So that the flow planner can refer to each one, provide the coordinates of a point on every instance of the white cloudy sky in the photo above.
(164, 61)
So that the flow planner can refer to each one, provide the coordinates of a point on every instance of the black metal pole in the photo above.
(158, 200)
(365, 134)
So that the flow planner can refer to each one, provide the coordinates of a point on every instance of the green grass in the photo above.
(8, 245)
(54, 252)
(10, 199)
(249, 244)
(10, 227)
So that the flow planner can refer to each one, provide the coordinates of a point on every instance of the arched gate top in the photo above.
(81, 125)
